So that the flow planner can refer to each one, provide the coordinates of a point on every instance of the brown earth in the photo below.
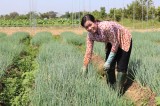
(34, 30)
(98, 63)
(55, 30)
(141, 96)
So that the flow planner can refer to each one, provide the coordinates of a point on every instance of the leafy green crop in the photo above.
(158, 101)
(2, 34)
(72, 38)
(59, 82)
(145, 59)
(41, 37)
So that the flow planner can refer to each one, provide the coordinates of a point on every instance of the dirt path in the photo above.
(34, 30)
(55, 30)
(141, 96)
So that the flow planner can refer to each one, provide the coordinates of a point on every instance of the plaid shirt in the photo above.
(108, 31)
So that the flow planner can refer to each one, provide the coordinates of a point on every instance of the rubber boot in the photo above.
(111, 77)
(121, 78)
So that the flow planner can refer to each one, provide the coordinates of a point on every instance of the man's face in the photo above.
(90, 26)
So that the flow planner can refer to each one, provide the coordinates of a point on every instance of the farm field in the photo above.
(42, 66)
(43, 47)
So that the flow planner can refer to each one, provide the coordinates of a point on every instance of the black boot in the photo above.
(121, 78)
(111, 77)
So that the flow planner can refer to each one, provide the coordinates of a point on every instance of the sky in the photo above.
(61, 6)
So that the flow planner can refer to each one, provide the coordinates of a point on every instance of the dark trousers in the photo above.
(121, 58)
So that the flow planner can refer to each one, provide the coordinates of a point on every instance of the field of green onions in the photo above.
(37, 22)
(45, 70)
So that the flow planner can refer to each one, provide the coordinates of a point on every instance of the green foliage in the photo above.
(10, 49)
(48, 15)
(2, 35)
(96, 14)
(20, 37)
(13, 15)
(99, 49)
(19, 82)
(41, 38)
(158, 101)
(59, 82)
(138, 7)
(56, 38)
(27, 66)
(137, 10)
(8, 52)
(145, 59)
(19, 79)
(135, 24)
(72, 38)
(102, 12)
(115, 14)
(12, 88)
(158, 13)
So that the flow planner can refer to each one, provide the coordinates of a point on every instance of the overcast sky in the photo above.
(61, 6)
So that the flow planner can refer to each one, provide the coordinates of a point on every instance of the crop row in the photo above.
(38, 22)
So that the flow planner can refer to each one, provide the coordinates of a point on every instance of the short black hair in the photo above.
(86, 18)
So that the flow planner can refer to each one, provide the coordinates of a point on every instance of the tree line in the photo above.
(138, 10)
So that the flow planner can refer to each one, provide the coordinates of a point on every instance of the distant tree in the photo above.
(78, 15)
(66, 15)
(158, 13)
(7, 16)
(32, 14)
(2, 16)
(118, 14)
(44, 15)
(152, 12)
(111, 13)
(138, 9)
(48, 15)
(96, 14)
(102, 12)
(115, 14)
(22, 17)
(52, 14)
(13, 15)
(125, 15)
(134, 10)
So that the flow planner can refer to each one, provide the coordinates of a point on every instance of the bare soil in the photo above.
(55, 30)
(141, 96)
(98, 62)
(33, 30)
